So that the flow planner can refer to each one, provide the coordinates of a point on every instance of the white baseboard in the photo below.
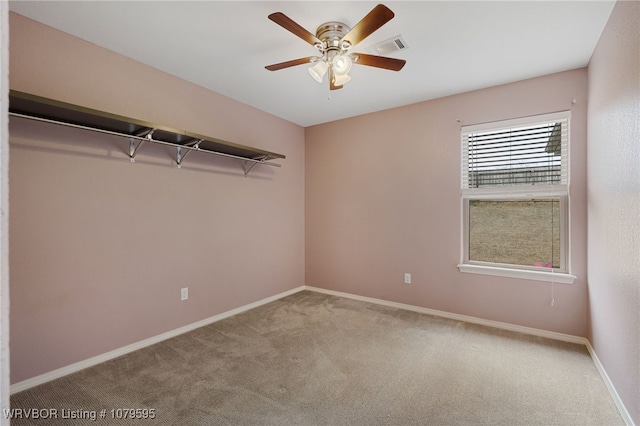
(501, 325)
(60, 372)
(464, 318)
(612, 390)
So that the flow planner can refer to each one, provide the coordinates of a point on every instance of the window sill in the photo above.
(556, 277)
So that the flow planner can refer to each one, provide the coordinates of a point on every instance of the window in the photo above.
(515, 180)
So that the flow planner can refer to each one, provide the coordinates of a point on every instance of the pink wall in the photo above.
(614, 202)
(4, 208)
(383, 198)
(100, 247)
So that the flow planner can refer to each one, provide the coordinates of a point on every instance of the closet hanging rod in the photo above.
(142, 138)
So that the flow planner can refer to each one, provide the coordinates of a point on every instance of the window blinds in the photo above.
(518, 152)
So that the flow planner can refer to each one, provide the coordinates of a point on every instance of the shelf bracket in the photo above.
(249, 165)
(190, 146)
(136, 141)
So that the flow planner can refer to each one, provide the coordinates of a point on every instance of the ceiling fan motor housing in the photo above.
(330, 33)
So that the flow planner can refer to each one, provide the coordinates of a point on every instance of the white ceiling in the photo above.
(454, 46)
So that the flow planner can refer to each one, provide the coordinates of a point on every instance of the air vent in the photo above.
(391, 45)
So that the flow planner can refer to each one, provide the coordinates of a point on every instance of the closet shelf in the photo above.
(138, 132)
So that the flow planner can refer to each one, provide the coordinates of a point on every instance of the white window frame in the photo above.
(519, 192)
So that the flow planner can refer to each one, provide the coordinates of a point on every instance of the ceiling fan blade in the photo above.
(292, 63)
(332, 79)
(392, 64)
(290, 25)
(379, 16)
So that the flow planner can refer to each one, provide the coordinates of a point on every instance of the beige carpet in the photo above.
(314, 359)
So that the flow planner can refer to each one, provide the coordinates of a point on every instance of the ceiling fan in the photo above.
(333, 40)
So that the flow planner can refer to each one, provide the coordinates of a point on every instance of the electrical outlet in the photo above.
(184, 293)
(407, 278)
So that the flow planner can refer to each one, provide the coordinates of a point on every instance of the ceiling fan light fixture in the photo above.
(342, 64)
(340, 79)
(318, 71)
